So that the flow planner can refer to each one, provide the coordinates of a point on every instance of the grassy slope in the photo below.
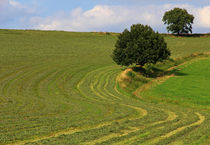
(39, 72)
(183, 46)
(59, 87)
(190, 87)
(186, 86)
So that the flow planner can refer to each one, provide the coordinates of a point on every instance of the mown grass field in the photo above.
(61, 88)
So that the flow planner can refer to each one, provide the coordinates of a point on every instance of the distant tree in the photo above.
(140, 45)
(179, 21)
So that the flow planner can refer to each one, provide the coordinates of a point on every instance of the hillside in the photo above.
(60, 88)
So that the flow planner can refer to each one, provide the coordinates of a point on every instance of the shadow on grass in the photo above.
(188, 35)
(154, 72)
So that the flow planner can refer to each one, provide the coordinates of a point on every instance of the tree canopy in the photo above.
(140, 45)
(179, 21)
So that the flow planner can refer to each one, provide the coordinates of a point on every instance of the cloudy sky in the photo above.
(97, 15)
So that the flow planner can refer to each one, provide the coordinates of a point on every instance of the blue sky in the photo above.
(97, 15)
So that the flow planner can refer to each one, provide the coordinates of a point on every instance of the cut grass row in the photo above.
(60, 88)
(129, 130)
(185, 101)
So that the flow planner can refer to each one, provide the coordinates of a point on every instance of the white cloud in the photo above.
(104, 18)
(11, 10)
(14, 4)
(98, 18)
(111, 18)
(203, 17)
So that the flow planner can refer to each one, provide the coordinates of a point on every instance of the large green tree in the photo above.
(140, 45)
(179, 21)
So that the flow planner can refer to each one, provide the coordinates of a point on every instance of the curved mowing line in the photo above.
(6, 76)
(71, 130)
(35, 88)
(95, 92)
(82, 81)
(66, 132)
(13, 84)
(43, 84)
(16, 76)
(200, 121)
(148, 141)
(106, 90)
(60, 83)
(100, 70)
(171, 116)
(100, 85)
(143, 112)
(7, 84)
(98, 90)
(55, 87)
(78, 86)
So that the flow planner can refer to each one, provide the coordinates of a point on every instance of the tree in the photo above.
(179, 21)
(140, 45)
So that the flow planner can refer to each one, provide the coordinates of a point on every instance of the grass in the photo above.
(184, 46)
(61, 88)
(189, 87)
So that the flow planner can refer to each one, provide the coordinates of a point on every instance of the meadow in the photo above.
(63, 88)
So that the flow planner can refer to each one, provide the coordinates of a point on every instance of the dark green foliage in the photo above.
(140, 45)
(179, 21)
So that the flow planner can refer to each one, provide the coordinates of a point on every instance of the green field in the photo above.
(61, 88)
(191, 87)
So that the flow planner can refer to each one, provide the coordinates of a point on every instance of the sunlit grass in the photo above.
(61, 88)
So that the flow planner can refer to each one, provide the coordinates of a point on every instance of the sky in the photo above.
(97, 15)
